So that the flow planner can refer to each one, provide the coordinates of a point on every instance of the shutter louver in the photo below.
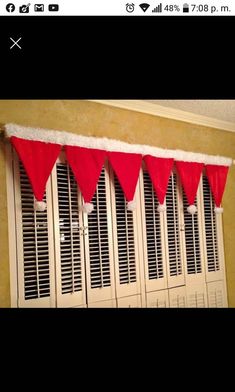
(35, 244)
(175, 273)
(125, 236)
(155, 274)
(98, 238)
(192, 240)
(70, 252)
(153, 231)
(34, 259)
(99, 263)
(195, 275)
(125, 243)
(211, 239)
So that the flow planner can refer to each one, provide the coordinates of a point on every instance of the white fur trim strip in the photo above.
(71, 139)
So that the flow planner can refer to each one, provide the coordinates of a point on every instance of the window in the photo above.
(113, 257)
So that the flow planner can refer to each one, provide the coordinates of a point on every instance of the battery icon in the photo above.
(185, 7)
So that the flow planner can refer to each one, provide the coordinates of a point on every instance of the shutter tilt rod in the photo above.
(2, 135)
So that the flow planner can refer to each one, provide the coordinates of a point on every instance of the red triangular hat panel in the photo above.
(38, 159)
(126, 167)
(86, 165)
(190, 174)
(217, 176)
(159, 170)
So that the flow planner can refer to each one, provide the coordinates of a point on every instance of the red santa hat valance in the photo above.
(190, 174)
(217, 177)
(86, 164)
(159, 170)
(38, 150)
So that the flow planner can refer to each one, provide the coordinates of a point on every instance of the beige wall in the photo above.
(93, 119)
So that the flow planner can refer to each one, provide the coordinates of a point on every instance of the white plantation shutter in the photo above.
(177, 297)
(211, 229)
(124, 243)
(34, 248)
(155, 267)
(173, 227)
(114, 257)
(98, 245)
(68, 238)
(158, 299)
(193, 254)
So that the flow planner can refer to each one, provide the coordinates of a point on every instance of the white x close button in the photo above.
(15, 43)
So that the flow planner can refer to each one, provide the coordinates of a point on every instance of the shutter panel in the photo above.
(68, 240)
(125, 243)
(158, 299)
(34, 249)
(212, 259)
(133, 301)
(194, 267)
(216, 295)
(177, 297)
(173, 229)
(98, 243)
(192, 241)
(155, 270)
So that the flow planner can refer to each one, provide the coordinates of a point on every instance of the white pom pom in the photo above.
(192, 209)
(40, 205)
(218, 210)
(87, 207)
(131, 205)
(161, 208)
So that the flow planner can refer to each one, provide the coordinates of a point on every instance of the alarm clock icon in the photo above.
(130, 7)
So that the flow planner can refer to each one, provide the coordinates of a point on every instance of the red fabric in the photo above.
(159, 171)
(86, 165)
(38, 159)
(126, 167)
(190, 174)
(217, 176)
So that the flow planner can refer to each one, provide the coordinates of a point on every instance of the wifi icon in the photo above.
(144, 6)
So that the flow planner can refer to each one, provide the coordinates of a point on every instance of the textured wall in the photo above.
(93, 119)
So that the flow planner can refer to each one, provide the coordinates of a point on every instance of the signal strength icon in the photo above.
(158, 8)
(144, 6)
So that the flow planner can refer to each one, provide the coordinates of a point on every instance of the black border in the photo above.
(118, 57)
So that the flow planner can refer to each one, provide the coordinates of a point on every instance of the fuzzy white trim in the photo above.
(161, 208)
(40, 205)
(131, 205)
(71, 139)
(192, 209)
(87, 208)
(218, 210)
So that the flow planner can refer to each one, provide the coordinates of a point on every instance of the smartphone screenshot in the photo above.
(117, 151)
